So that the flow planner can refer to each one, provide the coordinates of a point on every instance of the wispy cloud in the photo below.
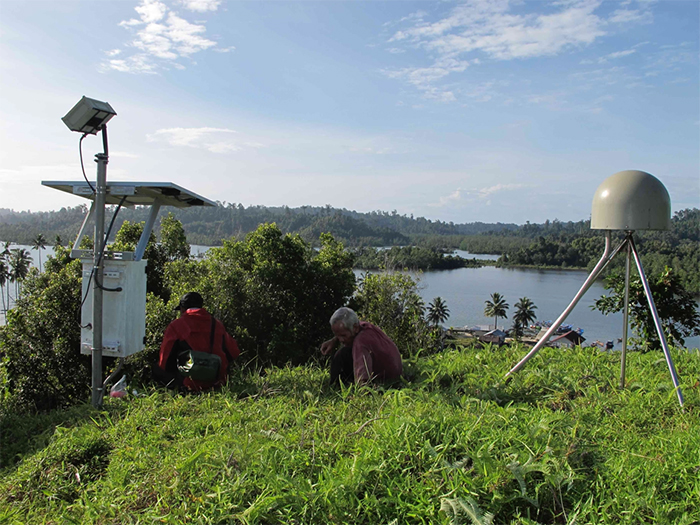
(474, 194)
(487, 26)
(639, 16)
(161, 37)
(479, 30)
(215, 140)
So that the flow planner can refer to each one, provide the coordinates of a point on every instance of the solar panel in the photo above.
(136, 193)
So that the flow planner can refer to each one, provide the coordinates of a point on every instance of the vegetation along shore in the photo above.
(552, 244)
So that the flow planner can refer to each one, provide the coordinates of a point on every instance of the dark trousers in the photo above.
(342, 369)
(170, 377)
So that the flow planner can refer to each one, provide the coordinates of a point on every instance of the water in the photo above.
(466, 289)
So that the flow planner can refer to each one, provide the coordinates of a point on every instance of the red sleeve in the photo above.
(166, 346)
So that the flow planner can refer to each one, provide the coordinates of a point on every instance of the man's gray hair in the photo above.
(346, 316)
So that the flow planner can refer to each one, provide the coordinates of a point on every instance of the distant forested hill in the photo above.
(210, 225)
(550, 244)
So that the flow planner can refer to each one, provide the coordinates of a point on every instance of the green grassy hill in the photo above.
(560, 443)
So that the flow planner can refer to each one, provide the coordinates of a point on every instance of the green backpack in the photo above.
(200, 366)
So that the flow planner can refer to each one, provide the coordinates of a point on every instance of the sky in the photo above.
(485, 110)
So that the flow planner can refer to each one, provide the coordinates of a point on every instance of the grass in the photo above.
(560, 443)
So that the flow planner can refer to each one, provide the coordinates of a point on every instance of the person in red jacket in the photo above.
(366, 353)
(193, 330)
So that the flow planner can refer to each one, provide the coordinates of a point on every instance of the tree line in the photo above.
(411, 258)
(554, 243)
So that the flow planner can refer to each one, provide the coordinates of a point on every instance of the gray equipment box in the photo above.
(123, 313)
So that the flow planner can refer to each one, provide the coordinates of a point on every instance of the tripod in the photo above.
(608, 255)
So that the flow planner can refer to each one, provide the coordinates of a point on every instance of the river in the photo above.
(466, 289)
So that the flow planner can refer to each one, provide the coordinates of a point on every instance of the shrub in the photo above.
(273, 292)
(391, 301)
(40, 345)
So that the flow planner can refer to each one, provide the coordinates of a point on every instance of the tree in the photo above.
(524, 315)
(675, 305)
(19, 267)
(273, 292)
(41, 341)
(127, 239)
(4, 276)
(173, 239)
(392, 302)
(496, 307)
(438, 311)
(39, 243)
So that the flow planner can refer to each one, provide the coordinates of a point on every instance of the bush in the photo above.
(273, 292)
(391, 301)
(40, 344)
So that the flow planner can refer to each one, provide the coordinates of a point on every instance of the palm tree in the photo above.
(524, 315)
(438, 311)
(5, 256)
(39, 243)
(19, 263)
(496, 307)
(4, 275)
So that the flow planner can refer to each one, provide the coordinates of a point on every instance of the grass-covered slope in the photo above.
(558, 444)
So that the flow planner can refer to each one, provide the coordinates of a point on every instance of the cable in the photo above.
(99, 259)
(104, 245)
(82, 166)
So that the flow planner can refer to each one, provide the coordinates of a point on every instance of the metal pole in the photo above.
(625, 315)
(657, 322)
(100, 192)
(602, 263)
(147, 229)
(86, 220)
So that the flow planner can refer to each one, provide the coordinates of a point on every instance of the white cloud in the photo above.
(616, 55)
(481, 194)
(625, 16)
(162, 36)
(485, 192)
(215, 140)
(487, 26)
(425, 78)
(201, 6)
(455, 196)
(151, 11)
(139, 63)
(492, 29)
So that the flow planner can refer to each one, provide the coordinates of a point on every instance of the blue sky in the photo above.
(486, 110)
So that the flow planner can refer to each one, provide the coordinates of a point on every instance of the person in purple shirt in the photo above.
(366, 353)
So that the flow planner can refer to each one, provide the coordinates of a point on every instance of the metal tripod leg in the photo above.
(657, 321)
(625, 316)
(602, 263)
